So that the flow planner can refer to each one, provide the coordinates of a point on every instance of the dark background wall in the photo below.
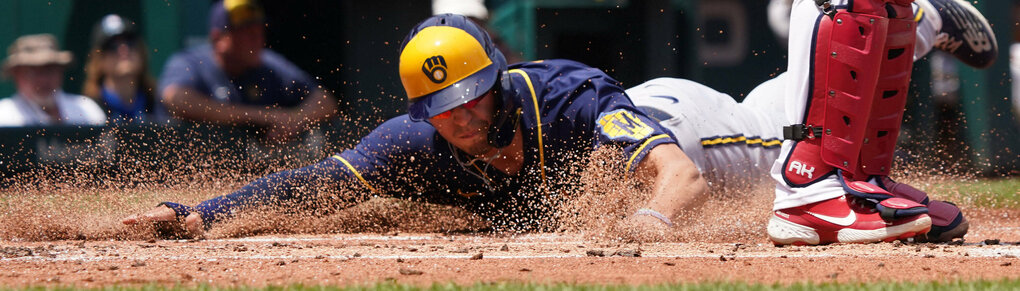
(352, 48)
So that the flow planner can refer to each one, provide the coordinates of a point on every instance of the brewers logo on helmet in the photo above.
(447, 61)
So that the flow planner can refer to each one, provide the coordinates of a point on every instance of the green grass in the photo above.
(994, 193)
(1005, 284)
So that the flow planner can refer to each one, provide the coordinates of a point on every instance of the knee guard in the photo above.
(849, 49)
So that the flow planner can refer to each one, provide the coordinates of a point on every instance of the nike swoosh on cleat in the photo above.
(841, 221)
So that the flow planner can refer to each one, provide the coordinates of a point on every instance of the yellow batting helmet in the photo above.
(446, 61)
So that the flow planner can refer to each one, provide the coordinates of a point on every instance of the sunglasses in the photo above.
(468, 105)
(113, 44)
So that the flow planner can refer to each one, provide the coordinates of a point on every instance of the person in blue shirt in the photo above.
(236, 81)
(492, 138)
(117, 73)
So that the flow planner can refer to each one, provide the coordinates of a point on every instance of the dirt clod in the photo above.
(14, 252)
(595, 253)
(628, 253)
(477, 256)
(410, 272)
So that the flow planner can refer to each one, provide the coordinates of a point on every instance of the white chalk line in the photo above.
(526, 238)
(986, 251)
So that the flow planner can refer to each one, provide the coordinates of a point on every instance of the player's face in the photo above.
(466, 126)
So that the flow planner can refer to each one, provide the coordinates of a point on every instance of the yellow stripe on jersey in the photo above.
(355, 173)
(538, 120)
(919, 15)
(770, 143)
(641, 148)
(727, 140)
(723, 140)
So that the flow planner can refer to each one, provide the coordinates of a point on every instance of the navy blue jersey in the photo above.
(568, 109)
(275, 82)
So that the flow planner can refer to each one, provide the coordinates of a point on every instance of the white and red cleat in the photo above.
(844, 220)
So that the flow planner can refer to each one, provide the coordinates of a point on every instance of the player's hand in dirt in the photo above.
(165, 223)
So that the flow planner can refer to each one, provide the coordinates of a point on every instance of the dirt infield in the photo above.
(65, 234)
(46, 247)
(990, 252)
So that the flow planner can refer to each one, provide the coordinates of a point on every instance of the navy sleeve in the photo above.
(596, 103)
(618, 122)
(373, 167)
(297, 185)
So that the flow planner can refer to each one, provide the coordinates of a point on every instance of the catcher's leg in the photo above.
(956, 21)
(830, 107)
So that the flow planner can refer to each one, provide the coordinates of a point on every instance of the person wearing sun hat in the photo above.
(36, 66)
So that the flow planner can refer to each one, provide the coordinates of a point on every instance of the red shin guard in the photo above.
(859, 86)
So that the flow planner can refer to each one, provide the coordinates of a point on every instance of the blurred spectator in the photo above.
(779, 19)
(236, 81)
(117, 73)
(477, 12)
(1014, 62)
(37, 68)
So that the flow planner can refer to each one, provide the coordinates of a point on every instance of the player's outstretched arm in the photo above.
(677, 186)
(297, 185)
